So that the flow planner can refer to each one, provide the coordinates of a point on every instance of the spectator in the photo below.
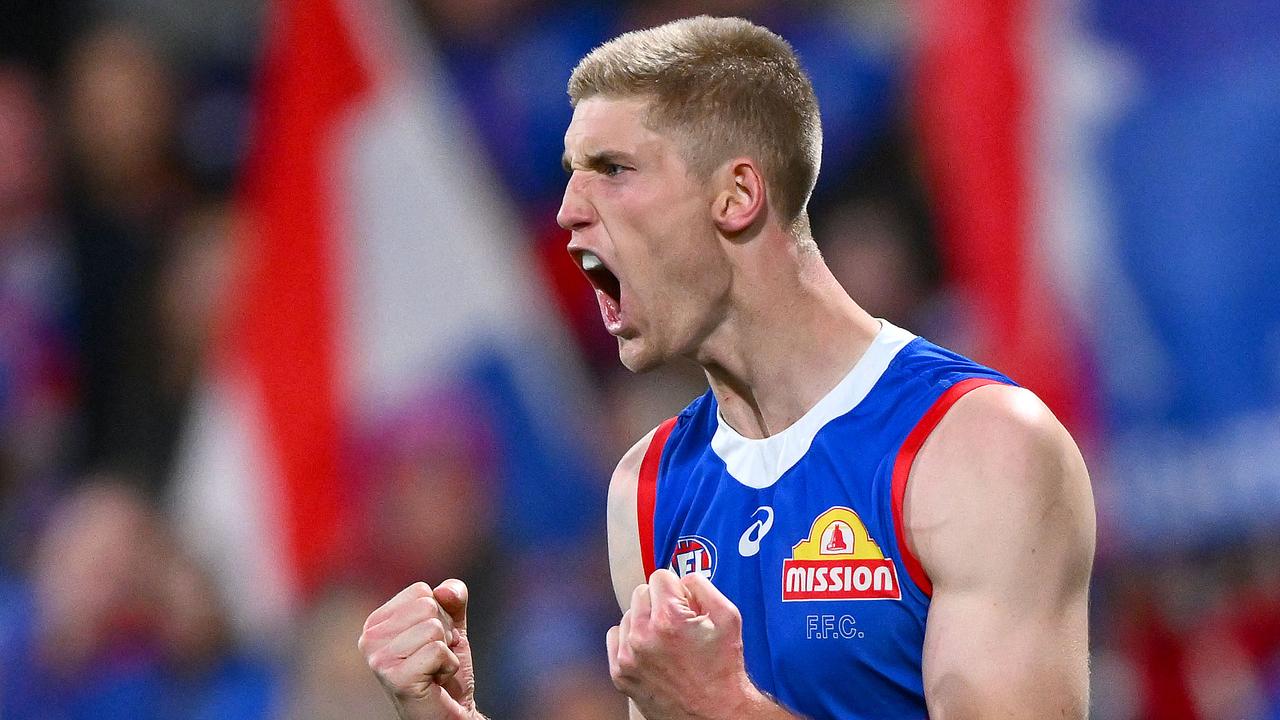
(118, 622)
(36, 359)
(78, 649)
(121, 104)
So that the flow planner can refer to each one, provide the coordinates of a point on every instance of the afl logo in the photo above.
(694, 554)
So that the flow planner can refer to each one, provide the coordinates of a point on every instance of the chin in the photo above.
(636, 357)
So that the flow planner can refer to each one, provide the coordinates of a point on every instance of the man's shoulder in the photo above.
(627, 472)
(996, 437)
(922, 363)
(999, 464)
(1001, 422)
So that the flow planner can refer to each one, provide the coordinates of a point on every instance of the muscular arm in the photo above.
(999, 511)
(625, 564)
(626, 567)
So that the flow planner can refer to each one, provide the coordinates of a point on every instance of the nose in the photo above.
(575, 212)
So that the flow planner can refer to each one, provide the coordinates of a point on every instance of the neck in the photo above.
(791, 337)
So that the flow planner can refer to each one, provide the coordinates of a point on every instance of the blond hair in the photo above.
(727, 87)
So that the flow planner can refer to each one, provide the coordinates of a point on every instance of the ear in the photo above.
(742, 201)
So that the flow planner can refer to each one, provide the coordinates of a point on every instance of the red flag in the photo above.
(376, 259)
(982, 129)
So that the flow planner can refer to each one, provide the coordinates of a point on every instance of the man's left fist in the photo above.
(678, 651)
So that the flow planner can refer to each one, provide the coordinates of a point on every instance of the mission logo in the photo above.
(838, 561)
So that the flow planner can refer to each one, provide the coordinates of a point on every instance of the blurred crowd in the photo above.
(122, 126)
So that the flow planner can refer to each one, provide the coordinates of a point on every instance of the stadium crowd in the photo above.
(120, 140)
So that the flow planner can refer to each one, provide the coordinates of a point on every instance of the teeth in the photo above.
(590, 261)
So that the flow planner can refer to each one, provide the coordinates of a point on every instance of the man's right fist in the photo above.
(417, 646)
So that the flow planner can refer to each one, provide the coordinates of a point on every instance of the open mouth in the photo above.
(608, 291)
(600, 276)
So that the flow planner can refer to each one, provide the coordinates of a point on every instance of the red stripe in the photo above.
(647, 493)
(284, 321)
(902, 470)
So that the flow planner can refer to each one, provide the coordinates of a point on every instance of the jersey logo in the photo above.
(694, 554)
(749, 543)
(838, 561)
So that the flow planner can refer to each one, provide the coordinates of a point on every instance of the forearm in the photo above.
(758, 707)
(766, 708)
(413, 713)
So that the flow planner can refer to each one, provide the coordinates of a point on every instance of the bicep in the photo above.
(987, 655)
(1004, 522)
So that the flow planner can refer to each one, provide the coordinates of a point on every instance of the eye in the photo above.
(611, 169)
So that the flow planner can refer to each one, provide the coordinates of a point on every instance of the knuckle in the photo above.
(631, 651)
(427, 604)
(364, 642)
(629, 669)
(451, 662)
(626, 664)
(644, 647)
(442, 658)
(663, 627)
(640, 639)
(381, 662)
(618, 681)
(401, 680)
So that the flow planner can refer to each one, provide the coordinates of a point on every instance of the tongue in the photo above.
(609, 309)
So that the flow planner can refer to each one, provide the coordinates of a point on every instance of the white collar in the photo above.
(758, 463)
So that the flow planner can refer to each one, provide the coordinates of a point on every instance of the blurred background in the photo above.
(286, 324)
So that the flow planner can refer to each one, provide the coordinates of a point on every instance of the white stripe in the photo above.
(1078, 87)
(226, 501)
(437, 268)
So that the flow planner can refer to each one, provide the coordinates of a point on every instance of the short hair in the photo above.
(730, 88)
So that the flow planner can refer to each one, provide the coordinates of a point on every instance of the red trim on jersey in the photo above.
(902, 469)
(647, 493)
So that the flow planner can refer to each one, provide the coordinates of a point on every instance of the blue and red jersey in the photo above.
(803, 530)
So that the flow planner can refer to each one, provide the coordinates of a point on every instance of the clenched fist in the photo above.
(678, 653)
(417, 646)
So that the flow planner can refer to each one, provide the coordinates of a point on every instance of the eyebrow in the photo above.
(597, 160)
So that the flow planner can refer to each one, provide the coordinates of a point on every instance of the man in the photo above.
(852, 522)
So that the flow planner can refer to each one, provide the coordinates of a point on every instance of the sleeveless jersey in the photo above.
(803, 530)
